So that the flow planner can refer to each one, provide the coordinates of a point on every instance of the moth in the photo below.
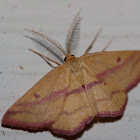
(78, 89)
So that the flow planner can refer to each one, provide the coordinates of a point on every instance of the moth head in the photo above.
(69, 57)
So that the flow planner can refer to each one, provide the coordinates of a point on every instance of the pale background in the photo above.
(120, 20)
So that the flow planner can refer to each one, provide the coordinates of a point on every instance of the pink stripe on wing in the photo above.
(133, 84)
(46, 124)
(61, 92)
(108, 99)
(75, 130)
(115, 113)
(50, 97)
(73, 112)
(111, 70)
(26, 125)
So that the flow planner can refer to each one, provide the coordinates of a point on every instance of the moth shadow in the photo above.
(96, 120)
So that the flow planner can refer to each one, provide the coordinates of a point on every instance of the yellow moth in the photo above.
(75, 92)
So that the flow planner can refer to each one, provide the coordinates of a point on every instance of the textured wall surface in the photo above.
(119, 19)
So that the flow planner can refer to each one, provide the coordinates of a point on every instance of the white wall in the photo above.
(119, 19)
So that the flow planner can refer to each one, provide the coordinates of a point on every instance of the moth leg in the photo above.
(44, 56)
(106, 46)
(94, 39)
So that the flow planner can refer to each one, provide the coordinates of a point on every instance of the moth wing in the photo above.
(57, 101)
(76, 112)
(115, 73)
(41, 105)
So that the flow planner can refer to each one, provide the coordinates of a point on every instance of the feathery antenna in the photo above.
(48, 41)
(73, 35)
